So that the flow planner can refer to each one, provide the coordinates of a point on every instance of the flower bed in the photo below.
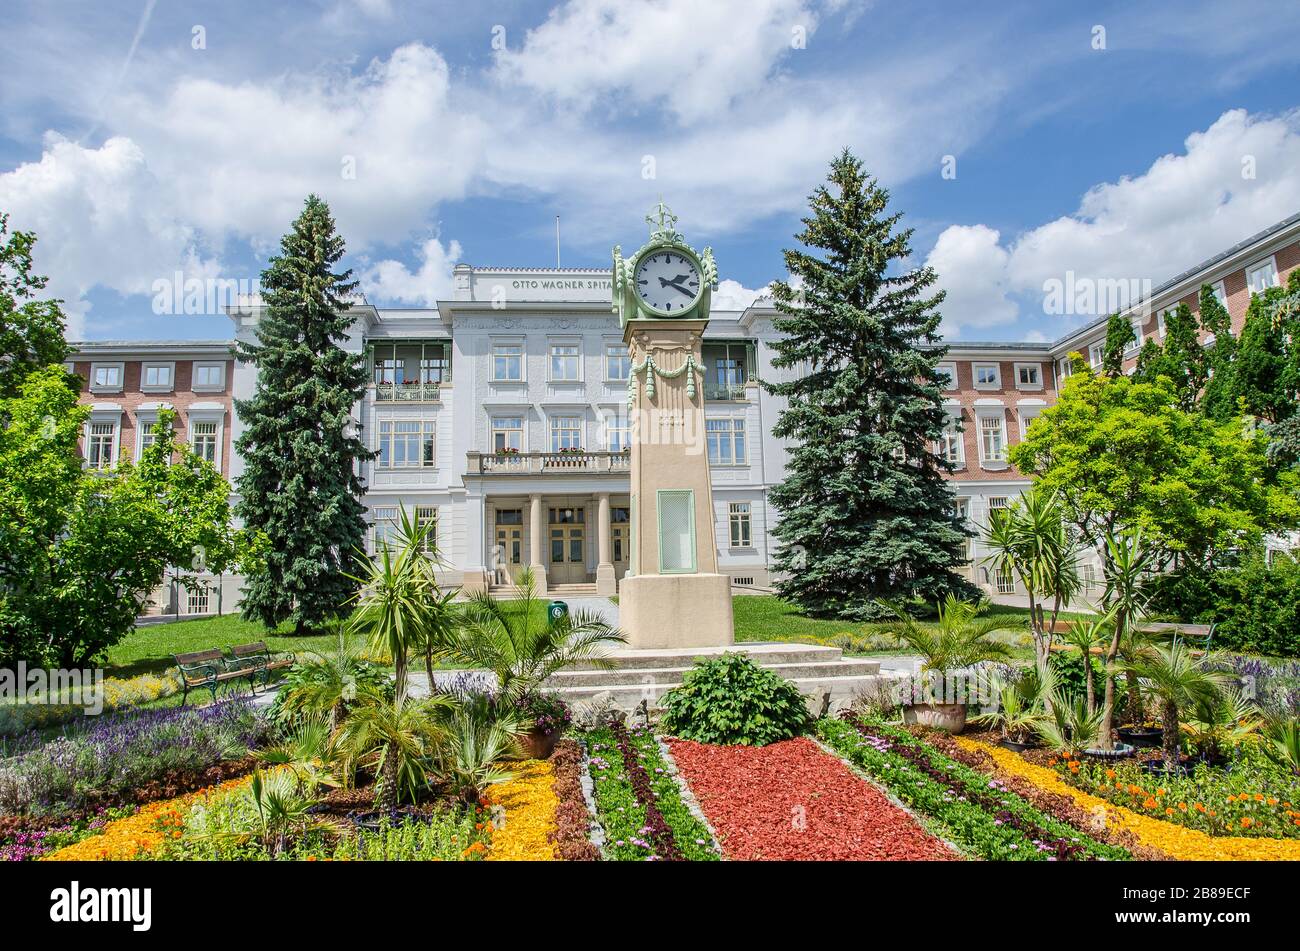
(1176, 841)
(792, 800)
(142, 833)
(572, 835)
(522, 829)
(980, 815)
(639, 802)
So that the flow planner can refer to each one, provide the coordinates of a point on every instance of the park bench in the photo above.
(210, 670)
(261, 659)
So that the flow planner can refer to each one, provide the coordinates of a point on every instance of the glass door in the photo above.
(508, 561)
(568, 544)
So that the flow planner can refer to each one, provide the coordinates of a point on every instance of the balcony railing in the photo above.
(726, 391)
(407, 392)
(548, 463)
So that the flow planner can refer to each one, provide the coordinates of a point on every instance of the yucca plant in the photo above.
(477, 738)
(306, 754)
(1128, 566)
(1178, 680)
(1019, 707)
(397, 740)
(1070, 725)
(519, 645)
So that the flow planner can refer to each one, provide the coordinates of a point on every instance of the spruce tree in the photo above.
(1120, 336)
(300, 485)
(1218, 400)
(865, 512)
(1181, 358)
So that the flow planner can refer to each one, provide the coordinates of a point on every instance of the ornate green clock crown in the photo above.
(666, 278)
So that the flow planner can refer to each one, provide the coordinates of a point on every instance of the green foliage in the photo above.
(1218, 398)
(1178, 681)
(81, 549)
(326, 685)
(1282, 735)
(959, 638)
(396, 741)
(1254, 606)
(1181, 358)
(1119, 336)
(1071, 677)
(865, 511)
(300, 486)
(1122, 454)
(1267, 383)
(731, 700)
(31, 330)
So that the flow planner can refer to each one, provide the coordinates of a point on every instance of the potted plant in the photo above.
(955, 641)
(543, 719)
(1019, 710)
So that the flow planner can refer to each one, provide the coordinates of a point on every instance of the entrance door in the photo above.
(568, 535)
(620, 538)
(509, 562)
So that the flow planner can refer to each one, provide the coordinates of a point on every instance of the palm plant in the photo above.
(478, 736)
(1128, 565)
(1221, 722)
(514, 640)
(324, 684)
(1020, 706)
(394, 595)
(1282, 741)
(1070, 726)
(1030, 541)
(955, 640)
(397, 740)
(306, 755)
(1084, 636)
(1178, 680)
(283, 810)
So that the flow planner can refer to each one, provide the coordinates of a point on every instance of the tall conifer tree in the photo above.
(864, 510)
(300, 485)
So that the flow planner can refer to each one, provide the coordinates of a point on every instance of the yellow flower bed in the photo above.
(1177, 841)
(129, 838)
(529, 802)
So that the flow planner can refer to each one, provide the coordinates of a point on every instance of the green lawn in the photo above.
(768, 618)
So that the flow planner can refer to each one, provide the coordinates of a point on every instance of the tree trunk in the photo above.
(399, 676)
(1170, 735)
(1134, 699)
(386, 791)
(428, 669)
(1091, 693)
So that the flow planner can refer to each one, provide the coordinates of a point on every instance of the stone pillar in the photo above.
(536, 536)
(677, 599)
(606, 584)
(474, 576)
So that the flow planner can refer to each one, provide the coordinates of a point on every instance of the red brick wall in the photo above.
(967, 393)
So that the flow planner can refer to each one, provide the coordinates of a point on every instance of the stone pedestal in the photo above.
(674, 611)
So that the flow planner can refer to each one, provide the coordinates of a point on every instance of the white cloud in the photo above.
(1183, 209)
(392, 281)
(693, 58)
(101, 218)
(732, 295)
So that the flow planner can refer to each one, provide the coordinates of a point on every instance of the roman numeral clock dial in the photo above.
(667, 281)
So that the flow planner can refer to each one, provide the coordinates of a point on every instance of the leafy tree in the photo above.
(1119, 335)
(1218, 399)
(865, 511)
(300, 485)
(1122, 454)
(1181, 358)
(1266, 378)
(31, 330)
(80, 550)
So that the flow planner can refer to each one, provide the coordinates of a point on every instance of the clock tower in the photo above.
(672, 595)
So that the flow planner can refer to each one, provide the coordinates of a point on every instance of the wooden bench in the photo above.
(261, 659)
(210, 669)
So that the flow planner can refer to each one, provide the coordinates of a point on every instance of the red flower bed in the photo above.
(793, 801)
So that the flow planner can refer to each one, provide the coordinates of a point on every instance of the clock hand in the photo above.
(678, 287)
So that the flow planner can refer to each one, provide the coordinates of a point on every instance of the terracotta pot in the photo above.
(538, 744)
(949, 717)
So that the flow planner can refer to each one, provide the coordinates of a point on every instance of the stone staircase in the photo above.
(648, 674)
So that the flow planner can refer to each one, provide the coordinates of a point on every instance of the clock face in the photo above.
(668, 281)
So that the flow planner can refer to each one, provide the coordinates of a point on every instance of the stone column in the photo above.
(536, 536)
(606, 584)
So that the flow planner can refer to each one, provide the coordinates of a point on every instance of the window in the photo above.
(406, 443)
(1096, 354)
(618, 432)
(726, 441)
(726, 369)
(1029, 376)
(157, 376)
(149, 433)
(618, 362)
(411, 370)
(1027, 415)
(1135, 344)
(106, 376)
(566, 433)
(1005, 580)
(1088, 577)
(508, 363)
(100, 442)
(992, 441)
(986, 375)
(961, 509)
(203, 438)
(196, 601)
(1261, 276)
(426, 517)
(947, 374)
(951, 445)
(676, 531)
(740, 525)
(209, 376)
(507, 434)
(384, 528)
(1067, 367)
(1220, 291)
(564, 363)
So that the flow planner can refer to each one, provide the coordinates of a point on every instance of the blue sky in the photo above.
(1129, 141)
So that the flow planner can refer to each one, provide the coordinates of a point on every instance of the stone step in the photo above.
(628, 697)
(763, 653)
(630, 676)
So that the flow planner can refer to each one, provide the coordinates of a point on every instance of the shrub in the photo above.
(1070, 680)
(1255, 605)
(731, 700)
